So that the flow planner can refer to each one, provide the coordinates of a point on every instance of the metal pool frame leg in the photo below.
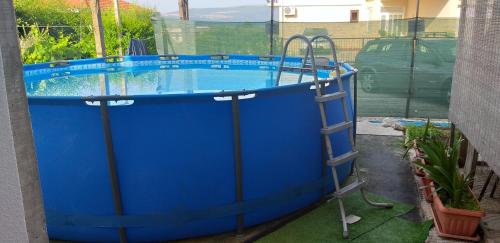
(355, 109)
(110, 154)
(235, 105)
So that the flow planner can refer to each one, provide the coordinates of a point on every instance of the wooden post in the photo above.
(22, 217)
(118, 26)
(470, 161)
(120, 39)
(100, 47)
(183, 9)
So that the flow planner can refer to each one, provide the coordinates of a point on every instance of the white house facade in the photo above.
(362, 10)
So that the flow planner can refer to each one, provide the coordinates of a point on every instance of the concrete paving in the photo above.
(389, 175)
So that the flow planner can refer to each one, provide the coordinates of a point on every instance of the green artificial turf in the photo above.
(397, 230)
(377, 225)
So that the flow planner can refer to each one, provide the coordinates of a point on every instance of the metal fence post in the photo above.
(412, 64)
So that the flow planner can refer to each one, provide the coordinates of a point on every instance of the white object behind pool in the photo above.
(365, 127)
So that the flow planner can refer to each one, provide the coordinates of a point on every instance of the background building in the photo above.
(363, 10)
(367, 18)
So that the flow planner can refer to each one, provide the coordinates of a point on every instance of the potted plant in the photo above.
(427, 184)
(456, 209)
(416, 135)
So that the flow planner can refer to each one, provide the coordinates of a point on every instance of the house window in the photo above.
(391, 22)
(354, 16)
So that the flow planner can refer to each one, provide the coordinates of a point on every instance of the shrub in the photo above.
(40, 46)
(53, 31)
(419, 132)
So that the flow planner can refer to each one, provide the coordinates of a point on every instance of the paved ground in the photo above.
(388, 174)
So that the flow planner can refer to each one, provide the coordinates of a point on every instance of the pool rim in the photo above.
(128, 62)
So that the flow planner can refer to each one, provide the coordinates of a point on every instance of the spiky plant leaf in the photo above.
(442, 167)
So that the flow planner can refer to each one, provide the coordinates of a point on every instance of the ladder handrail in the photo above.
(339, 78)
(334, 56)
(309, 52)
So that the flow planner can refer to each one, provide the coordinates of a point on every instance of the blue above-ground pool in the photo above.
(181, 146)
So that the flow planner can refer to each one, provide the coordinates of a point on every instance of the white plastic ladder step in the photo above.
(329, 79)
(349, 188)
(300, 69)
(343, 158)
(323, 67)
(337, 127)
(332, 96)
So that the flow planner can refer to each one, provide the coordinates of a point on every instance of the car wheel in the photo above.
(368, 83)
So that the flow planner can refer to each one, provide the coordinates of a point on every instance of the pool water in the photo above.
(158, 81)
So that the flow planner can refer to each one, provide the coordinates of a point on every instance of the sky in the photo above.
(172, 5)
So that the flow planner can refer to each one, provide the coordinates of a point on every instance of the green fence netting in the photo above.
(388, 83)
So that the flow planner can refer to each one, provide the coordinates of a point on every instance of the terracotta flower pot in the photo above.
(418, 153)
(419, 171)
(455, 221)
(428, 188)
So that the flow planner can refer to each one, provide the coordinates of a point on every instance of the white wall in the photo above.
(340, 10)
(323, 10)
(318, 2)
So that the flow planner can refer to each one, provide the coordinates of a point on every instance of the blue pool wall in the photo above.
(175, 160)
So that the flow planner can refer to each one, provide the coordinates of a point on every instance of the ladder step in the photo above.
(349, 188)
(295, 69)
(329, 79)
(332, 96)
(337, 127)
(343, 158)
(322, 67)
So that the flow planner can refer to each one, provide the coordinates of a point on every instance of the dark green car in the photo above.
(384, 66)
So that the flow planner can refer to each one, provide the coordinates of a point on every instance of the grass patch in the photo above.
(323, 224)
(397, 230)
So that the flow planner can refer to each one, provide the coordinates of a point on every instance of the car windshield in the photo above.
(371, 47)
(447, 49)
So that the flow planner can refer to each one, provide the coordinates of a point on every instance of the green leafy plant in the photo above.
(426, 132)
(442, 167)
(416, 134)
(40, 46)
(53, 30)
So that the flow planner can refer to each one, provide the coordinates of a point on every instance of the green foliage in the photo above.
(53, 31)
(416, 134)
(40, 46)
(442, 167)
(423, 132)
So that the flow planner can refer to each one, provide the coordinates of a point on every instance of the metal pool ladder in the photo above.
(309, 65)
